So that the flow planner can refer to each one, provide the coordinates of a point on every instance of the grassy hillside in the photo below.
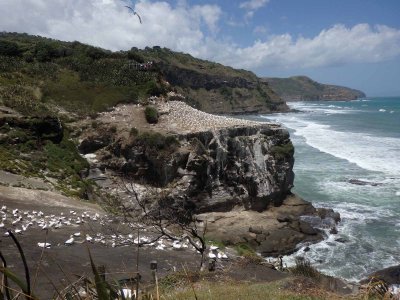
(45, 84)
(85, 79)
(304, 88)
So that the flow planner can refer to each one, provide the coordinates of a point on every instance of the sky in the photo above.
(355, 43)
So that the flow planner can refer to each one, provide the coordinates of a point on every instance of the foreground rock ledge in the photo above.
(236, 172)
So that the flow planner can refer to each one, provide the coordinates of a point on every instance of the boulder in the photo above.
(390, 275)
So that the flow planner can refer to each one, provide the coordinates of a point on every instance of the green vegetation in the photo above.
(246, 251)
(283, 151)
(219, 244)
(156, 141)
(304, 88)
(38, 73)
(151, 114)
(25, 151)
(304, 268)
(84, 79)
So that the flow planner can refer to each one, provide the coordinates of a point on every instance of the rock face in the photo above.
(236, 176)
(389, 275)
(249, 167)
(238, 167)
(275, 231)
(224, 92)
(20, 128)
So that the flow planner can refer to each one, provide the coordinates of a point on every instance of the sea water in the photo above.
(336, 143)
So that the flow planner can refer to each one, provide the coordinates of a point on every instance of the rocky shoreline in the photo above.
(235, 174)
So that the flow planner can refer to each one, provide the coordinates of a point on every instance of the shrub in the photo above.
(133, 131)
(283, 150)
(247, 252)
(151, 114)
(8, 48)
(171, 140)
(152, 140)
(304, 268)
(156, 140)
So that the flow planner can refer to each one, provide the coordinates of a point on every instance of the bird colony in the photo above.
(22, 222)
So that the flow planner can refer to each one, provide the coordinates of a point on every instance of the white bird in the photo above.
(211, 255)
(70, 241)
(4, 208)
(77, 234)
(176, 245)
(17, 220)
(44, 245)
(222, 255)
(89, 238)
(212, 247)
(127, 293)
(1, 225)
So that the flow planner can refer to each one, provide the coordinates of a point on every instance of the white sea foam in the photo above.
(382, 110)
(357, 248)
(368, 152)
(370, 213)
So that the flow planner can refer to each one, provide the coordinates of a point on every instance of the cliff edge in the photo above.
(235, 174)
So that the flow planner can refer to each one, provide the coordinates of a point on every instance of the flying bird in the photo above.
(135, 13)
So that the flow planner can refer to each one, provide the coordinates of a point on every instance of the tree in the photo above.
(165, 218)
(8, 48)
(45, 51)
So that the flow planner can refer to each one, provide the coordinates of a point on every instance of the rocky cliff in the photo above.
(210, 164)
(298, 88)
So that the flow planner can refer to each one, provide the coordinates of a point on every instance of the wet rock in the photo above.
(325, 213)
(306, 228)
(342, 240)
(333, 230)
(390, 275)
(362, 182)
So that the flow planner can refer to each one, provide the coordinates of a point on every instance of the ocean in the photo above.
(347, 157)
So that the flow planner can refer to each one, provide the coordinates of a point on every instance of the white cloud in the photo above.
(260, 30)
(337, 45)
(210, 15)
(194, 29)
(108, 24)
(252, 6)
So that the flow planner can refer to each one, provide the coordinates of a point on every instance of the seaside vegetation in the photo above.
(283, 151)
(151, 114)
(84, 79)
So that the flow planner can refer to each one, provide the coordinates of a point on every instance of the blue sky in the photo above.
(355, 43)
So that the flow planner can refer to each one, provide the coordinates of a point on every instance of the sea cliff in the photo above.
(235, 174)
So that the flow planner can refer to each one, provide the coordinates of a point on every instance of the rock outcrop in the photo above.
(237, 172)
(18, 128)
